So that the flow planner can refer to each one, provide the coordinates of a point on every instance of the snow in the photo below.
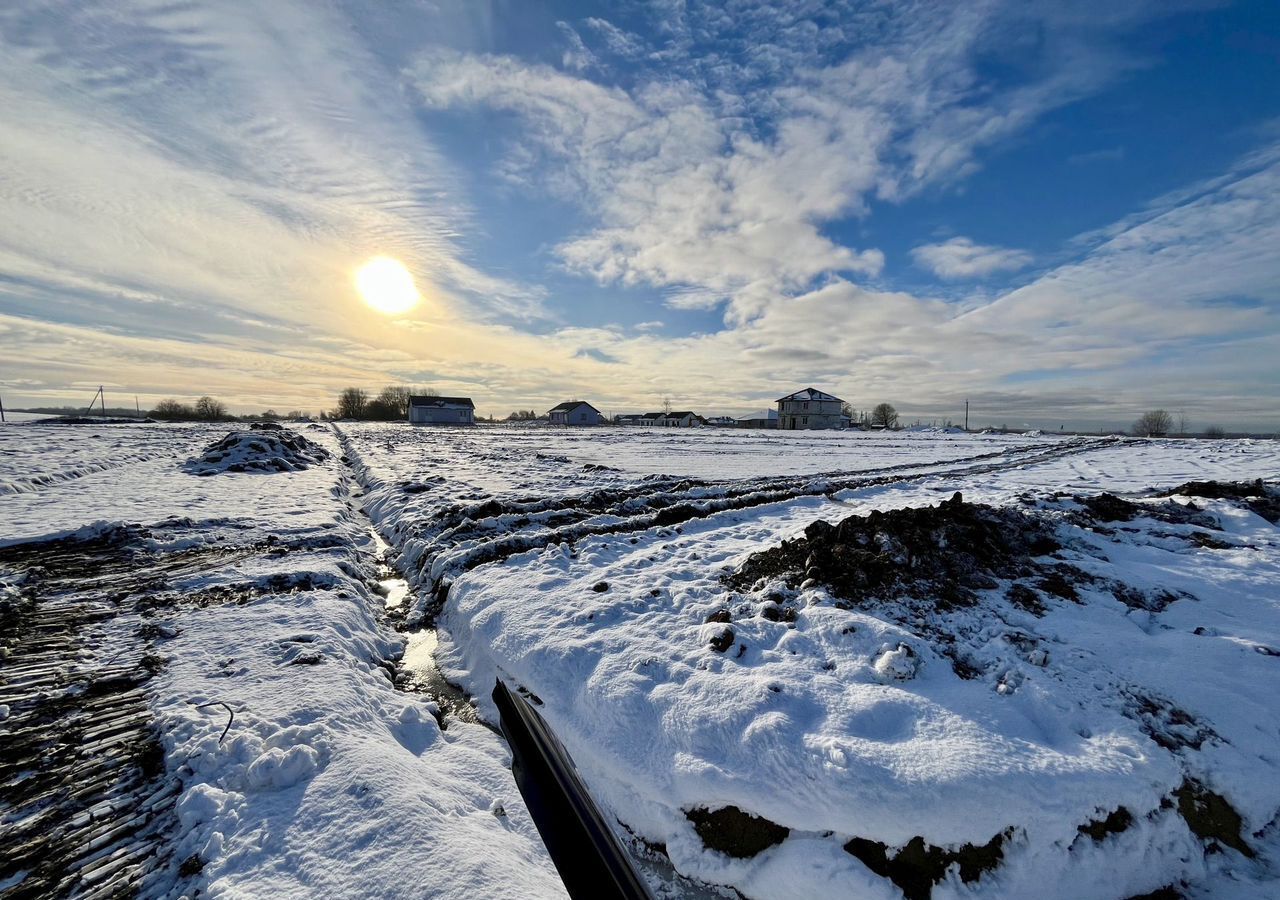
(850, 724)
(585, 565)
(330, 781)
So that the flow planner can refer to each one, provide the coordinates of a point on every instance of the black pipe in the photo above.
(591, 860)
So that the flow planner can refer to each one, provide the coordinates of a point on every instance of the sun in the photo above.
(386, 285)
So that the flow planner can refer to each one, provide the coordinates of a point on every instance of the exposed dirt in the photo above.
(917, 867)
(1116, 822)
(1210, 817)
(1259, 497)
(945, 553)
(734, 832)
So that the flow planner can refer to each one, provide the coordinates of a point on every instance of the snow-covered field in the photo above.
(778, 735)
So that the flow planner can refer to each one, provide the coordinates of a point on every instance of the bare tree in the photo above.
(884, 415)
(1182, 422)
(210, 410)
(666, 406)
(1153, 423)
(351, 404)
(396, 398)
(1215, 431)
(172, 411)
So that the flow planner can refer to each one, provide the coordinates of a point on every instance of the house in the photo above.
(682, 419)
(651, 419)
(721, 421)
(575, 412)
(810, 409)
(761, 418)
(629, 419)
(428, 410)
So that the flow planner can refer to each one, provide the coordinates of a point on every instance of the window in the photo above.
(805, 420)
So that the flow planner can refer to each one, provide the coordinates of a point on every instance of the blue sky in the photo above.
(1064, 212)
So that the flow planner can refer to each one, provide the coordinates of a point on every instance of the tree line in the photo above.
(388, 405)
(209, 409)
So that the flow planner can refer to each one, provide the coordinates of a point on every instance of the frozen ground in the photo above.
(588, 567)
(585, 566)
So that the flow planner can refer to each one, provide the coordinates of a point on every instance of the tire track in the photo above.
(457, 537)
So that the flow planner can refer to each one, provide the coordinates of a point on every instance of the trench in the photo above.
(417, 670)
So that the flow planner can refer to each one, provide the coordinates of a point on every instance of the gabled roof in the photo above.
(439, 402)
(570, 405)
(809, 393)
(759, 414)
(680, 415)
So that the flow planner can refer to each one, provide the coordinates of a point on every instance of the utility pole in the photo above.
(966, 415)
(136, 406)
(1, 409)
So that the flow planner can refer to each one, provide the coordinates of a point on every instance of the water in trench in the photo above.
(418, 670)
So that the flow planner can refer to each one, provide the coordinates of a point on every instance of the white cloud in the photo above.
(715, 173)
(960, 257)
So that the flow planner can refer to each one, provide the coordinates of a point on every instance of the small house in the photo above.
(721, 421)
(810, 409)
(761, 418)
(575, 412)
(629, 419)
(682, 419)
(428, 410)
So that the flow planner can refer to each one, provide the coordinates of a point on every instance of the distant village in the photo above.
(806, 409)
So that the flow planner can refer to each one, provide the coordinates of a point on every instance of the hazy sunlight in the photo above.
(386, 285)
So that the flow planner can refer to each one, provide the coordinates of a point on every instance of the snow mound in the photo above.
(259, 449)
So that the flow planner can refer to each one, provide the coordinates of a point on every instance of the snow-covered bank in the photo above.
(1065, 748)
(257, 601)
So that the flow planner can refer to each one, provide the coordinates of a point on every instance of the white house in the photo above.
(809, 409)
(761, 418)
(575, 412)
(426, 410)
(682, 419)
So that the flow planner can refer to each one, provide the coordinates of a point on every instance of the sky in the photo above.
(1063, 212)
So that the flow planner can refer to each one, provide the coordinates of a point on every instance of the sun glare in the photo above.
(386, 285)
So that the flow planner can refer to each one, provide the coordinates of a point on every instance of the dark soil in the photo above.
(945, 553)
(1210, 817)
(1261, 498)
(734, 832)
(1115, 823)
(917, 867)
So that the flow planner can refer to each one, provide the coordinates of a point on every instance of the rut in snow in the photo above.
(84, 799)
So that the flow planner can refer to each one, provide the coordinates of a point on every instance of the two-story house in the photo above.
(810, 408)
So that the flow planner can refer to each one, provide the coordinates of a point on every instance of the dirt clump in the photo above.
(946, 552)
(1257, 496)
(1210, 817)
(734, 832)
(1116, 822)
(918, 866)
